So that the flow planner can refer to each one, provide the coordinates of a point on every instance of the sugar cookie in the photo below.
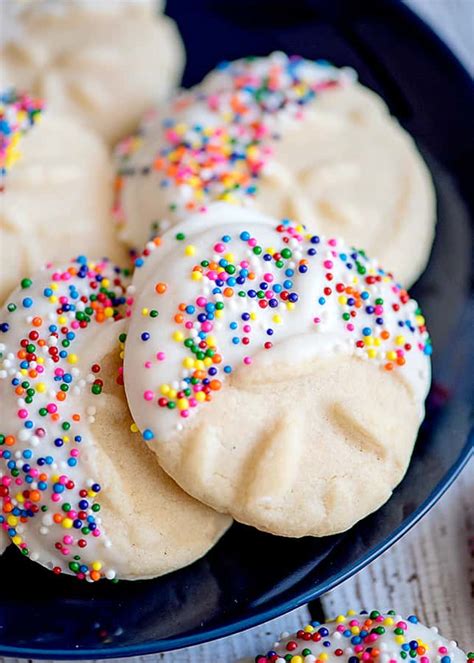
(81, 493)
(279, 375)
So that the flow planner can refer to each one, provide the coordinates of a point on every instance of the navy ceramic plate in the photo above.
(250, 577)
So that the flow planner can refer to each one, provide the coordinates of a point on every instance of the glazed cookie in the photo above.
(294, 138)
(81, 493)
(375, 636)
(279, 376)
(55, 190)
(105, 63)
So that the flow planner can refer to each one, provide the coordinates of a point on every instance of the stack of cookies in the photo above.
(193, 331)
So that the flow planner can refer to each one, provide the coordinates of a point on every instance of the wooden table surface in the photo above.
(430, 571)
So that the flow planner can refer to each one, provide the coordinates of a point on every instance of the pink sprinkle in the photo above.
(68, 540)
(148, 364)
(56, 497)
(247, 360)
(350, 327)
(219, 247)
(148, 395)
(184, 413)
(328, 264)
(65, 551)
(52, 408)
(268, 277)
(402, 625)
(96, 532)
(332, 242)
(22, 414)
(206, 326)
(160, 356)
(443, 650)
(189, 325)
(201, 301)
(247, 329)
(74, 453)
(252, 242)
(316, 320)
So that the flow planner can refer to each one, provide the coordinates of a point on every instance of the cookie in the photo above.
(55, 190)
(383, 636)
(81, 493)
(279, 375)
(292, 138)
(104, 63)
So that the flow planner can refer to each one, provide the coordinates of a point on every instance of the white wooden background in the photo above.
(430, 572)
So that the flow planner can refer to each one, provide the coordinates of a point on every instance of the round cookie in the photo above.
(278, 375)
(81, 493)
(105, 68)
(368, 636)
(294, 138)
(55, 190)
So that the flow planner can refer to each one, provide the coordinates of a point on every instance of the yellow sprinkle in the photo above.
(53, 299)
(229, 257)
(91, 493)
(277, 319)
(377, 341)
(196, 276)
(340, 618)
(178, 336)
(164, 389)
(290, 306)
(219, 314)
(400, 340)
(388, 621)
(62, 319)
(20, 498)
(144, 311)
(53, 286)
(17, 539)
(342, 299)
(108, 311)
(392, 355)
(351, 613)
(134, 428)
(369, 340)
(66, 438)
(67, 523)
(253, 316)
(200, 396)
(105, 283)
(308, 628)
(96, 566)
(372, 353)
(199, 365)
(207, 362)
(355, 279)
(323, 657)
(190, 250)
(420, 320)
(211, 341)
(183, 403)
(399, 639)
(297, 659)
(12, 521)
(172, 393)
(40, 360)
(55, 478)
(188, 362)
(355, 630)
(41, 387)
(23, 371)
(72, 359)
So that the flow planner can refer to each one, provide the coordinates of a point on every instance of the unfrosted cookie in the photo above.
(81, 493)
(55, 190)
(366, 636)
(293, 138)
(105, 63)
(278, 375)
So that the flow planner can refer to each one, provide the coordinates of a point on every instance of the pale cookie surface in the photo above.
(368, 636)
(105, 68)
(293, 138)
(55, 190)
(82, 494)
(279, 376)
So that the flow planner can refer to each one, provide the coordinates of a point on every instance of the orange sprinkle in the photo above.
(161, 288)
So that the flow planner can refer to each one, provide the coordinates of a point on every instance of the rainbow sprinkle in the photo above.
(42, 484)
(222, 158)
(367, 637)
(18, 113)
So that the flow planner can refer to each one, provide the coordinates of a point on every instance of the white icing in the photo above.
(296, 336)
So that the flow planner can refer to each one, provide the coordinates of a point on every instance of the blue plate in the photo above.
(250, 577)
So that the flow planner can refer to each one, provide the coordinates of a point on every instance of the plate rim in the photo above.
(266, 614)
(261, 616)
